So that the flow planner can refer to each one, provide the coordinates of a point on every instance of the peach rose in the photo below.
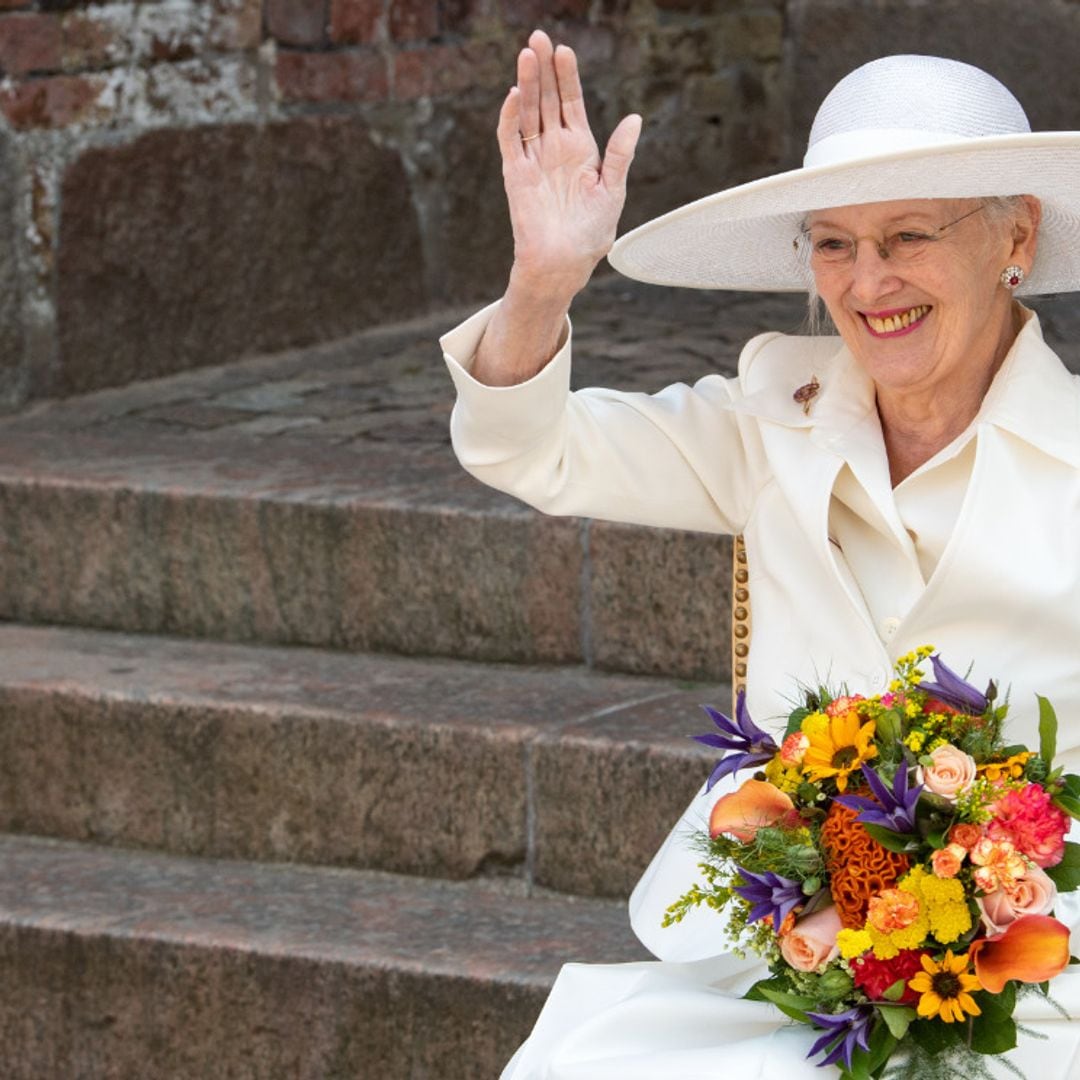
(812, 940)
(1033, 894)
(946, 863)
(953, 771)
(752, 806)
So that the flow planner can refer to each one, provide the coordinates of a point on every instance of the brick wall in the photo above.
(187, 181)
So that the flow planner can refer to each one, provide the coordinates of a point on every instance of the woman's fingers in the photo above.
(509, 129)
(573, 100)
(529, 87)
(550, 116)
(620, 153)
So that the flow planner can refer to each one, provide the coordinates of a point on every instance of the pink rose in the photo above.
(953, 771)
(1033, 894)
(811, 942)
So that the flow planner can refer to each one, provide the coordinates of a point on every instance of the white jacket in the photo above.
(740, 455)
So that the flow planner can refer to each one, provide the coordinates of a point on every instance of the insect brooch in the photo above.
(805, 394)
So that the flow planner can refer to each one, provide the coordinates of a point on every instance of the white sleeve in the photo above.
(682, 458)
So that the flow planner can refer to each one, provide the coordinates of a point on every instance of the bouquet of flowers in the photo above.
(896, 863)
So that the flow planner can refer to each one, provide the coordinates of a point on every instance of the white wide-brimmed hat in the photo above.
(903, 127)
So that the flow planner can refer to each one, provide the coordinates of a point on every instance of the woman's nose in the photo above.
(873, 273)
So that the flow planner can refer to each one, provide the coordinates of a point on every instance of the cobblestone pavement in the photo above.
(388, 385)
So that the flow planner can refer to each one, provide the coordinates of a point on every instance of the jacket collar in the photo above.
(1033, 396)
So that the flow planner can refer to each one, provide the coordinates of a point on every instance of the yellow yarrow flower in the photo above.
(946, 988)
(782, 777)
(914, 741)
(943, 901)
(853, 943)
(814, 724)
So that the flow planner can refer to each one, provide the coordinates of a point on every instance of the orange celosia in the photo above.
(741, 813)
(859, 867)
(1032, 949)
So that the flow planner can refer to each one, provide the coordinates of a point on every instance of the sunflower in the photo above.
(839, 747)
(945, 988)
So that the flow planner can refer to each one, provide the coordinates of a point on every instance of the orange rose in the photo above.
(966, 835)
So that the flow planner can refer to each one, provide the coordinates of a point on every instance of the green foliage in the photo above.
(1048, 726)
(994, 1030)
(1066, 875)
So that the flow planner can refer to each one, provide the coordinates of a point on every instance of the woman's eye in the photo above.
(912, 237)
(831, 243)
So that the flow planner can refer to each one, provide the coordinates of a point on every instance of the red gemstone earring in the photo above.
(1011, 276)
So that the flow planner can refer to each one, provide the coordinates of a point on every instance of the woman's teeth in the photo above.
(897, 322)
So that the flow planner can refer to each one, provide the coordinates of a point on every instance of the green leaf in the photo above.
(793, 1005)
(896, 991)
(1066, 875)
(882, 1045)
(1070, 785)
(935, 1035)
(1069, 803)
(1048, 726)
(994, 1031)
(898, 1018)
(775, 983)
(888, 839)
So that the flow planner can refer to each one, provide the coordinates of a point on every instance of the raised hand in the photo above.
(564, 200)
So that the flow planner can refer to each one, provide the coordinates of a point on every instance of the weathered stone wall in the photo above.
(187, 181)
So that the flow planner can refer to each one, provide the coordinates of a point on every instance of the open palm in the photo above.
(564, 200)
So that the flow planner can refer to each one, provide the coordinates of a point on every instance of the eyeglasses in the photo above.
(824, 247)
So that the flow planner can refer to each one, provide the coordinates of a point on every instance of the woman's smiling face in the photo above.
(921, 307)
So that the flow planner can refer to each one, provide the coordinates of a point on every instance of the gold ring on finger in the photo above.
(529, 138)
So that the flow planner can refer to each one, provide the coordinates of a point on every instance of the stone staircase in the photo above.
(318, 759)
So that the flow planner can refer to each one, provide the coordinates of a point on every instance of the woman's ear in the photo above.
(1026, 231)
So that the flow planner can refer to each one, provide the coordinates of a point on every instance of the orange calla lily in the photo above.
(741, 813)
(1032, 949)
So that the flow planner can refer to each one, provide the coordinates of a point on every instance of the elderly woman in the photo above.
(915, 480)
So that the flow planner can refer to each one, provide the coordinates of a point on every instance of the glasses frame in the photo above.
(880, 245)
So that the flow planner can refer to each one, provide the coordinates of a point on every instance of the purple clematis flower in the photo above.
(954, 691)
(843, 1032)
(752, 745)
(770, 894)
(893, 809)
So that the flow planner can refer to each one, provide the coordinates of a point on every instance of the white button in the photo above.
(889, 626)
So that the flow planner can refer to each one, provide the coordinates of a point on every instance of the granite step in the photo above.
(132, 964)
(312, 498)
(560, 777)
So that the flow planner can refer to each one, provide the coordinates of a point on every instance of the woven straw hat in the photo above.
(903, 127)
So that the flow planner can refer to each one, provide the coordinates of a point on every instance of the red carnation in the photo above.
(874, 976)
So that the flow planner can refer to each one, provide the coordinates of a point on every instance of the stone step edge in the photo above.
(124, 964)
(563, 777)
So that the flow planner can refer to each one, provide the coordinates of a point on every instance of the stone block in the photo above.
(121, 964)
(13, 322)
(413, 20)
(29, 43)
(355, 22)
(660, 601)
(413, 766)
(56, 101)
(322, 77)
(192, 247)
(609, 790)
(296, 22)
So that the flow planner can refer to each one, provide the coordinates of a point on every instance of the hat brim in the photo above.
(742, 238)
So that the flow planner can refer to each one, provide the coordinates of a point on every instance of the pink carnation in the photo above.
(1029, 819)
